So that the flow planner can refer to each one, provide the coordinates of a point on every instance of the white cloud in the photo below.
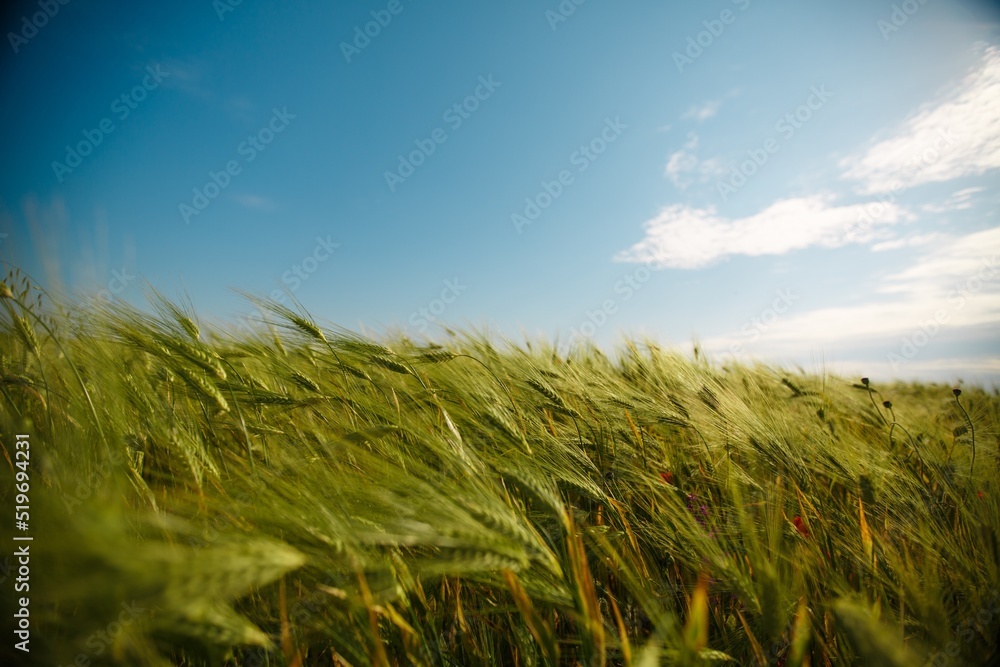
(958, 135)
(956, 284)
(683, 237)
(958, 201)
(949, 262)
(908, 242)
(683, 162)
(701, 112)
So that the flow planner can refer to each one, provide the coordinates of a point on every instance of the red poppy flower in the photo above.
(667, 477)
(980, 494)
(800, 525)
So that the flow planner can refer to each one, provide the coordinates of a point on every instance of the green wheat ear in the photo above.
(203, 584)
(968, 420)
(391, 509)
(874, 643)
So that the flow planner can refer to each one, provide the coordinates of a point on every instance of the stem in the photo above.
(876, 405)
(76, 372)
(972, 431)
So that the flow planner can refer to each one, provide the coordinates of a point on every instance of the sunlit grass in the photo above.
(310, 496)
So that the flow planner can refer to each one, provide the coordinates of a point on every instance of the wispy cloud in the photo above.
(955, 284)
(948, 262)
(684, 237)
(701, 112)
(196, 78)
(684, 163)
(958, 201)
(256, 202)
(955, 136)
(908, 242)
(190, 76)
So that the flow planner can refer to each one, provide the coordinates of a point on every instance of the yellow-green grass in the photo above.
(309, 496)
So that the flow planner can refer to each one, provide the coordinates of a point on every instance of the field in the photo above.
(308, 496)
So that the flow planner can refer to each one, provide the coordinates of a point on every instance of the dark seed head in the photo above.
(887, 404)
(956, 391)
(864, 381)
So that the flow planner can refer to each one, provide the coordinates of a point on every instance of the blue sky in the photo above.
(811, 184)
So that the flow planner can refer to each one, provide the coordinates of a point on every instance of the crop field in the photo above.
(309, 496)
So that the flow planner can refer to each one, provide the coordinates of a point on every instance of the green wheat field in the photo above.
(309, 496)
